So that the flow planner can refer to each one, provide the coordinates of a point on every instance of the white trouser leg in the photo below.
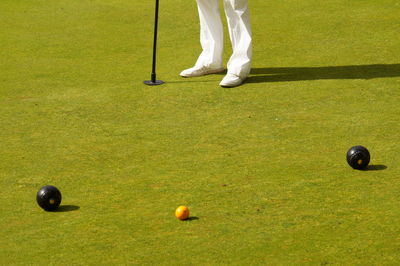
(238, 17)
(211, 34)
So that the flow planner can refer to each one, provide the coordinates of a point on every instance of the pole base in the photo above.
(151, 83)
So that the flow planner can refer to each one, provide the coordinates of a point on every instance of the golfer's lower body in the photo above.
(211, 39)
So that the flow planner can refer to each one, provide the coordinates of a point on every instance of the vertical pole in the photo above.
(153, 73)
(153, 80)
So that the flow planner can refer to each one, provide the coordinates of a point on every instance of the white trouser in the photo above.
(211, 35)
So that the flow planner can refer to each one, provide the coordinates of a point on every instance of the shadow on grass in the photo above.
(192, 218)
(375, 167)
(67, 208)
(186, 80)
(279, 74)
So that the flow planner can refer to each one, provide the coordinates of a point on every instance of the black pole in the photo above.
(153, 80)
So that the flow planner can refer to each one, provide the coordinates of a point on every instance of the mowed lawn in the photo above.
(262, 166)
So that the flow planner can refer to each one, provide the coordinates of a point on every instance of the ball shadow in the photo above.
(192, 218)
(67, 208)
(375, 167)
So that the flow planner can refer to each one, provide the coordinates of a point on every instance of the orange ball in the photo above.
(182, 213)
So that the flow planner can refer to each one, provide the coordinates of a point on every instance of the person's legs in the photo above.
(238, 17)
(211, 39)
(211, 34)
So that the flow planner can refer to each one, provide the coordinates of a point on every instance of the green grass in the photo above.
(261, 166)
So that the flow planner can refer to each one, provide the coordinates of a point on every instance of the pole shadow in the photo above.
(67, 208)
(286, 74)
(188, 81)
(375, 167)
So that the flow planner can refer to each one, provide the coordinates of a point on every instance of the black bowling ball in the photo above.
(48, 198)
(358, 157)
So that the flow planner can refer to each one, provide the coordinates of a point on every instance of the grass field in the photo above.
(262, 166)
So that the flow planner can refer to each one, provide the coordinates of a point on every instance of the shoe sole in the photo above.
(214, 71)
(231, 85)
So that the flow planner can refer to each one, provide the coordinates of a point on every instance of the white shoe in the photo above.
(200, 71)
(231, 80)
